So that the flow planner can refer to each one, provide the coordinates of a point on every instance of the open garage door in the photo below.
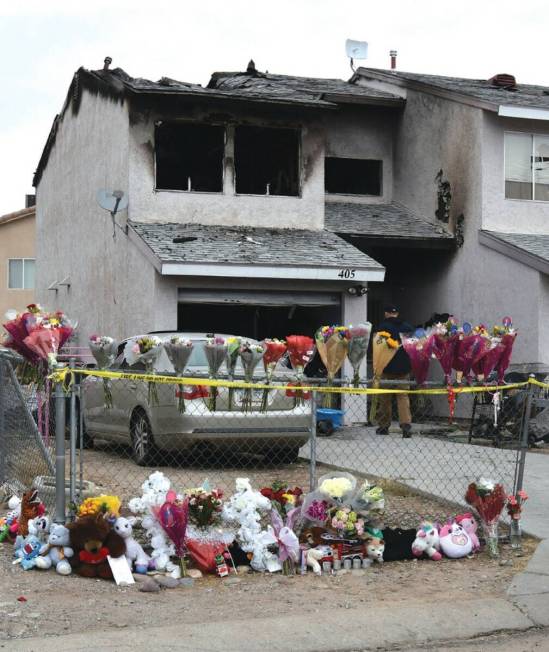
(256, 313)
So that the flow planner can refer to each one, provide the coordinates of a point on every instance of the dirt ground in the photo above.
(56, 604)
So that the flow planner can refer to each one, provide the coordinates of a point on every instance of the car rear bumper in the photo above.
(246, 439)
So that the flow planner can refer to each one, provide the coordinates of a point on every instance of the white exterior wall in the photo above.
(227, 208)
(112, 289)
(365, 133)
(498, 213)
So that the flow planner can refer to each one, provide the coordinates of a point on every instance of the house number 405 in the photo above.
(347, 273)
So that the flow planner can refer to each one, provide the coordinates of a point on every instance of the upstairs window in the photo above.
(21, 274)
(353, 176)
(526, 166)
(266, 161)
(189, 157)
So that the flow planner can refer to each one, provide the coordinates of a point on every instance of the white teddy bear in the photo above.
(134, 551)
(58, 551)
(40, 527)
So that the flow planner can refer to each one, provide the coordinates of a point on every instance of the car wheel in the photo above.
(142, 439)
(287, 455)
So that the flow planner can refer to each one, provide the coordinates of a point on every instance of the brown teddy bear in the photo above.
(92, 540)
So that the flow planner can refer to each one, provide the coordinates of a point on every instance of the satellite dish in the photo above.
(356, 49)
(112, 201)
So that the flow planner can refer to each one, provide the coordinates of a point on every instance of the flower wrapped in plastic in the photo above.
(488, 498)
(273, 351)
(337, 487)
(251, 355)
(347, 523)
(108, 505)
(369, 502)
(215, 350)
(488, 354)
(315, 508)
(445, 341)
(281, 534)
(508, 335)
(332, 346)
(104, 350)
(173, 516)
(384, 348)
(179, 350)
(419, 348)
(282, 496)
(359, 338)
(467, 348)
(233, 350)
(145, 350)
(301, 350)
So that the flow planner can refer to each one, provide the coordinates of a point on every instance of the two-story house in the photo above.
(267, 204)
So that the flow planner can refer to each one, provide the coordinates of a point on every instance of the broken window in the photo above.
(353, 176)
(189, 157)
(266, 161)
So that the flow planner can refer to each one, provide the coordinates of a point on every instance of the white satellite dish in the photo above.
(112, 201)
(356, 49)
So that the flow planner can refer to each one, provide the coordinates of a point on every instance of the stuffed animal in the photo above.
(31, 507)
(58, 551)
(314, 556)
(470, 525)
(9, 526)
(92, 540)
(454, 541)
(375, 548)
(427, 542)
(27, 551)
(134, 551)
(40, 527)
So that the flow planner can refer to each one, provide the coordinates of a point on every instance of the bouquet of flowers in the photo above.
(215, 350)
(466, 350)
(369, 502)
(179, 350)
(233, 349)
(515, 503)
(347, 523)
(489, 499)
(273, 350)
(109, 505)
(332, 346)
(488, 353)
(419, 348)
(445, 341)
(315, 509)
(281, 534)
(251, 355)
(205, 537)
(384, 348)
(173, 517)
(300, 350)
(146, 350)
(359, 338)
(282, 497)
(508, 335)
(104, 349)
(337, 488)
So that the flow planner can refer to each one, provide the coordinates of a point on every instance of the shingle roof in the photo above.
(18, 215)
(314, 88)
(527, 95)
(381, 221)
(530, 248)
(250, 246)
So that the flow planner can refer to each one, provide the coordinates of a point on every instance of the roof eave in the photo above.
(347, 98)
(492, 241)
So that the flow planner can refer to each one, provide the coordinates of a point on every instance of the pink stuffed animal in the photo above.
(470, 525)
(427, 541)
(454, 541)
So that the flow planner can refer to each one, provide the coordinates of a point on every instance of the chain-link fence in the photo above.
(117, 429)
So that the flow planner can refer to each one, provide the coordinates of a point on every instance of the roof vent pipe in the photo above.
(393, 55)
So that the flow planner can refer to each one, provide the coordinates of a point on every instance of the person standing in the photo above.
(398, 369)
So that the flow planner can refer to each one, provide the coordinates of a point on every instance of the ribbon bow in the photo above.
(283, 536)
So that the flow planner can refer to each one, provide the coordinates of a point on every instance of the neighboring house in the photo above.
(269, 204)
(17, 276)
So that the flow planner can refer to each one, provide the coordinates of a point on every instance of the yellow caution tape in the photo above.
(60, 376)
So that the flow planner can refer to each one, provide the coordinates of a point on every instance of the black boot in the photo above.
(382, 431)
(406, 430)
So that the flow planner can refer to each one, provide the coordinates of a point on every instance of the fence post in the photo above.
(59, 454)
(3, 436)
(312, 440)
(72, 490)
(524, 438)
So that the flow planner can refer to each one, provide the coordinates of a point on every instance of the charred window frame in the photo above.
(267, 160)
(353, 176)
(189, 156)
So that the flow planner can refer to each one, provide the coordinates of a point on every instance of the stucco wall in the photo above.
(500, 214)
(111, 285)
(16, 241)
(148, 205)
(366, 133)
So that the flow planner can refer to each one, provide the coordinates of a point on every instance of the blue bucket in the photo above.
(327, 414)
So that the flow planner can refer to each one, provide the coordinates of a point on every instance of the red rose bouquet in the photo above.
(489, 499)
(273, 351)
(446, 340)
(419, 348)
(300, 350)
(282, 497)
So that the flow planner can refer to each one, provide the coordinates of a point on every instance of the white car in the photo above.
(277, 433)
